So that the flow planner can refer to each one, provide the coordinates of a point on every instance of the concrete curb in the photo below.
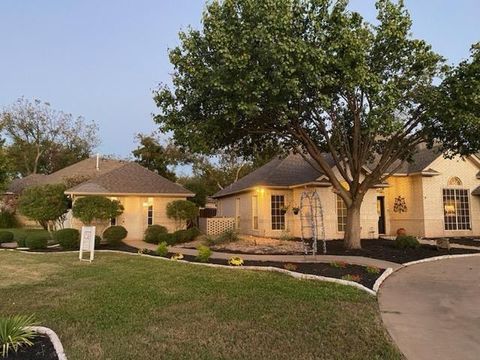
(382, 278)
(53, 338)
(294, 274)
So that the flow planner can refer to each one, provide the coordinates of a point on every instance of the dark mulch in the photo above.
(42, 349)
(385, 250)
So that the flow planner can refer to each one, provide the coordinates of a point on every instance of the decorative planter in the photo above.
(296, 211)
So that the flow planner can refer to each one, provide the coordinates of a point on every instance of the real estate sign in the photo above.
(87, 242)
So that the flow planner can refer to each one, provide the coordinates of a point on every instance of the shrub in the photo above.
(69, 239)
(8, 220)
(168, 238)
(98, 240)
(183, 236)
(90, 208)
(350, 277)
(14, 333)
(6, 236)
(176, 256)
(36, 241)
(152, 233)
(227, 236)
(20, 239)
(204, 253)
(182, 211)
(115, 234)
(406, 242)
(338, 264)
(372, 270)
(235, 261)
(162, 249)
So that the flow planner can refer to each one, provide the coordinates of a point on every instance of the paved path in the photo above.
(432, 310)
(357, 260)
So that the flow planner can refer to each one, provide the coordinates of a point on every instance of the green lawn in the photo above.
(131, 307)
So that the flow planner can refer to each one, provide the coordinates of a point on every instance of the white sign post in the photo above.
(87, 242)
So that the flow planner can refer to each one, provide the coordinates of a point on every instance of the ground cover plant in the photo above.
(133, 307)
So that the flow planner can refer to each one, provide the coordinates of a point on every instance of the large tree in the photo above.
(317, 78)
(43, 140)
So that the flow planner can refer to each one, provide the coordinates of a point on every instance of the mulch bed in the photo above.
(42, 349)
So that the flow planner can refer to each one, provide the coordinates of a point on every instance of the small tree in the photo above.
(181, 211)
(46, 204)
(96, 208)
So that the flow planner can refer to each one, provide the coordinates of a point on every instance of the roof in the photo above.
(476, 191)
(294, 170)
(130, 178)
(18, 185)
(289, 171)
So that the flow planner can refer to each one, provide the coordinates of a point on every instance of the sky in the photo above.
(101, 59)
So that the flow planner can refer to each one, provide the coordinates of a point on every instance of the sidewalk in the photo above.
(356, 260)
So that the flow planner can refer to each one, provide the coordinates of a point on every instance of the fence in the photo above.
(216, 225)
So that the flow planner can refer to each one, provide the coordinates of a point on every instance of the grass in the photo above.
(131, 307)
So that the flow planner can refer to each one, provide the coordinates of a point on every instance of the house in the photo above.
(143, 193)
(429, 197)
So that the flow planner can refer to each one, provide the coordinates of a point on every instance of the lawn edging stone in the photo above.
(57, 344)
(382, 278)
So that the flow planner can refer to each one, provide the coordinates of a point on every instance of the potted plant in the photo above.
(284, 209)
(296, 210)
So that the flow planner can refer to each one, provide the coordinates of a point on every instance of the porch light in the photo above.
(260, 190)
(149, 202)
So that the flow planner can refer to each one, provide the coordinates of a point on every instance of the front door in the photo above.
(381, 214)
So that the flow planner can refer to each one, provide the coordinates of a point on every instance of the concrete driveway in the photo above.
(432, 310)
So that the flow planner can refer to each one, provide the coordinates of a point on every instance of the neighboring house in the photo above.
(430, 197)
(143, 193)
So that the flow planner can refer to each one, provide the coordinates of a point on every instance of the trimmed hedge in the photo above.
(179, 236)
(20, 239)
(36, 241)
(69, 239)
(6, 236)
(115, 234)
(152, 233)
(8, 220)
(406, 242)
(98, 240)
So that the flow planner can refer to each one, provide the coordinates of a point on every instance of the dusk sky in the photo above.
(102, 59)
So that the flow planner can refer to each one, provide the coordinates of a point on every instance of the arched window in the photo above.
(454, 181)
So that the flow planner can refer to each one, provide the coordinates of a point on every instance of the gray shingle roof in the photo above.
(18, 185)
(295, 170)
(130, 178)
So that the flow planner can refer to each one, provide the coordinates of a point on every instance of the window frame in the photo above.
(277, 219)
(454, 226)
(254, 212)
(150, 215)
(341, 226)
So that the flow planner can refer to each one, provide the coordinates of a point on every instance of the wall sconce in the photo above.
(149, 202)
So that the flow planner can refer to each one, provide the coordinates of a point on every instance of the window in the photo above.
(255, 212)
(341, 214)
(454, 181)
(113, 221)
(456, 209)
(150, 215)
(278, 214)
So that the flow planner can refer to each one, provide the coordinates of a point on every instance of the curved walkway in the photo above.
(357, 260)
(432, 309)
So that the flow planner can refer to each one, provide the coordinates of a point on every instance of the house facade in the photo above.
(143, 193)
(430, 197)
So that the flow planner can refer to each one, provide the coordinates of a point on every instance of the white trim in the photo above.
(57, 344)
(382, 278)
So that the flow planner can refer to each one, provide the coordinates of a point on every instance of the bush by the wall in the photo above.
(406, 242)
(36, 241)
(227, 236)
(152, 233)
(69, 239)
(8, 220)
(98, 240)
(204, 253)
(183, 236)
(162, 249)
(167, 238)
(6, 236)
(20, 239)
(115, 234)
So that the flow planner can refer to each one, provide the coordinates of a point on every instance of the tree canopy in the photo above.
(43, 140)
(96, 208)
(46, 204)
(316, 78)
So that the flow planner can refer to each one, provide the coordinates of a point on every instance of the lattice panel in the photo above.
(217, 226)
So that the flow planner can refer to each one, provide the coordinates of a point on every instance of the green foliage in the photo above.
(14, 333)
(162, 249)
(316, 77)
(352, 277)
(20, 239)
(152, 233)
(36, 241)
(182, 210)
(100, 208)
(6, 236)
(372, 270)
(98, 240)
(115, 234)
(69, 239)
(226, 237)
(170, 239)
(183, 236)
(338, 264)
(406, 242)
(204, 253)
(46, 204)
(8, 220)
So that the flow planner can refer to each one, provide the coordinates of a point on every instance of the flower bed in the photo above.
(42, 349)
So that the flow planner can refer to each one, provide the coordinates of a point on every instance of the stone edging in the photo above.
(382, 278)
(53, 338)
(294, 274)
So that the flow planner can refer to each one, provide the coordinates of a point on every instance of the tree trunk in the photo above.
(353, 228)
